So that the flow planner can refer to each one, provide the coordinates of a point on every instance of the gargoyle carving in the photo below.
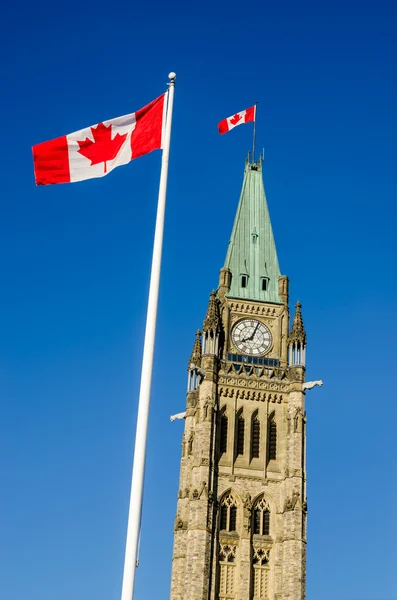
(199, 372)
(181, 415)
(308, 385)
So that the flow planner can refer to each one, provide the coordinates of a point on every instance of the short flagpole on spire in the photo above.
(254, 142)
(135, 511)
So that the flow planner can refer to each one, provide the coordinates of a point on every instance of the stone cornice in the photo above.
(253, 372)
(255, 309)
(256, 396)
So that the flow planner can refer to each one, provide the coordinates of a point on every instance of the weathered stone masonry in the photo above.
(240, 527)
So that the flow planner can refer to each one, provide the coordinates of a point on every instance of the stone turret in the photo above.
(212, 319)
(194, 364)
(297, 340)
(212, 326)
(195, 356)
(283, 285)
(225, 280)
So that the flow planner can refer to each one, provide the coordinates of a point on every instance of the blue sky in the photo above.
(75, 263)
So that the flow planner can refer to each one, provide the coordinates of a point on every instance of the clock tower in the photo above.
(240, 526)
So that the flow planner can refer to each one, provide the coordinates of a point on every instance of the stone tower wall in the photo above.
(207, 475)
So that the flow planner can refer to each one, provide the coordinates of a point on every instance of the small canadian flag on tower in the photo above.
(245, 116)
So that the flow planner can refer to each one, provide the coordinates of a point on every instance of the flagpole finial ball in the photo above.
(172, 75)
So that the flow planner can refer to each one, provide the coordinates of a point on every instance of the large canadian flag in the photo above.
(245, 116)
(97, 150)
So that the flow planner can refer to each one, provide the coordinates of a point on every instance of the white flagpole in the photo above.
(138, 471)
(254, 143)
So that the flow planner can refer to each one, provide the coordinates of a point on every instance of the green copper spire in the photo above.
(251, 256)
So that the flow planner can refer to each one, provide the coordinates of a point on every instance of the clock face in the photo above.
(251, 337)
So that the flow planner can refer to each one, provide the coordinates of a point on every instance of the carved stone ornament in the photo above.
(297, 333)
(209, 407)
(253, 309)
(183, 445)
(190, 444)
(196, 494)
(261, 383)
(290, 502)
(309, 385)
(212, 319)
(178, 416)
(247, 512)
(253, 395)
(183, 493)
(179, 524)
(299, 418)
(195, 356)
(203, 490)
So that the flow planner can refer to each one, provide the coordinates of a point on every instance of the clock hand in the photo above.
(251, 337)
(255, 330)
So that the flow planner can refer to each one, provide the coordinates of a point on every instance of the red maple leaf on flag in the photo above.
(235, 119)
(103, 148)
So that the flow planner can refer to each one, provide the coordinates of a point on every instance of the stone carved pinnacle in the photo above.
(195, 357)
(212, 319)
(298, 333)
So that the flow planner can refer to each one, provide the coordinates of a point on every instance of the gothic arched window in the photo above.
(261, 517)
(255, 437)
(272, 439)
(228, 513)
(227, 571)
(223, 434)
(240, 435)
(261, 573)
